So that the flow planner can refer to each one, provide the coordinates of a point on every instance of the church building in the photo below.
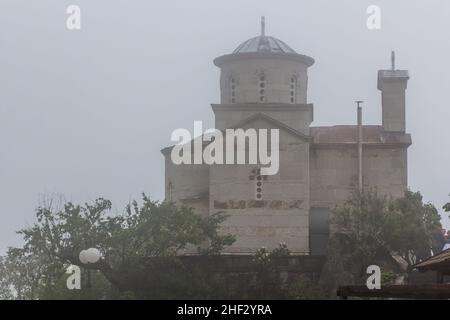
(264, 85)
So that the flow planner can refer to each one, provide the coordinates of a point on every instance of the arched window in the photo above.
(232, 90)
(262, 87)
(293, 90)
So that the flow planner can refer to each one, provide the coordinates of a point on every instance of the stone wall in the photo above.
(187, 184)
(281, 215)
(334, 171)
(278, 75)
(297, 117)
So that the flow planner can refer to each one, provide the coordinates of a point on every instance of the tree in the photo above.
(413, 229)
(446, 207)
(142, 257)
(370, 228)
(22, 275)
(5, 289)
(140, 249)
(269, 283)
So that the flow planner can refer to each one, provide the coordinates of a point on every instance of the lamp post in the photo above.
(89, 256)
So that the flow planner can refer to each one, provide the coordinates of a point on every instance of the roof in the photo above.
(349, 134)
(393, 74)
(242, 123)
(426, 291)
(335, 135)
(264, 46)
(263, 43)
(440, 262)
(275, 122)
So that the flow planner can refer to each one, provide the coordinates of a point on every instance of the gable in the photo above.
(263, 121)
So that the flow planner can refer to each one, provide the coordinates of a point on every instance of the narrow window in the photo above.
(293, 90)
(258, 179)
(233, 90)
(262, 87)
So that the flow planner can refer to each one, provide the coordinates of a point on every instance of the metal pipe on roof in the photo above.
(360, 146)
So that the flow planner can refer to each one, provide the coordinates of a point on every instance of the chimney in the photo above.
(393, 84)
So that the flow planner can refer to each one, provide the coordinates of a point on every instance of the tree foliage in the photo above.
(145, 251)
(413, 229)
(446, 207)
(370, 228)
(138, 248)
(146, 254)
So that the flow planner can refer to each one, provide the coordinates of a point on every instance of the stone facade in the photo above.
(263, 86)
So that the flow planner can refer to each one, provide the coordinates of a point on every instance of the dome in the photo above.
(263, 43)
(263, 46)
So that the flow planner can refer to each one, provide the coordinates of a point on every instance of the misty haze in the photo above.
(87, 114)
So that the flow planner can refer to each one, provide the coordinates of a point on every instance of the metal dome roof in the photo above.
(263, 46)
(263, 43)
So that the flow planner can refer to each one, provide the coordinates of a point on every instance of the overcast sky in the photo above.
(85, 113)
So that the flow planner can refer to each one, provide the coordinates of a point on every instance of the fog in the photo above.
(85, 113)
